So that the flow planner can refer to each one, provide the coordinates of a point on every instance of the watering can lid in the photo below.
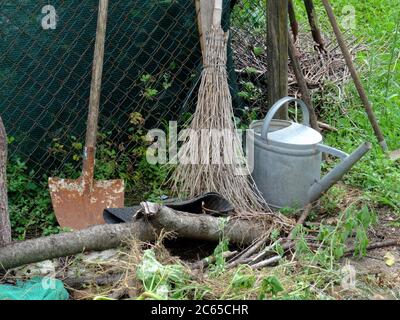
(287, 133)
(294, 134)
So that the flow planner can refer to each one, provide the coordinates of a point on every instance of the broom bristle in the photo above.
(205, 164)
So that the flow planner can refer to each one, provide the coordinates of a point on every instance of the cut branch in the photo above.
(103, 237)
(313, 20)
(383, 244)
(294, 25)
(267, 262)
(325, 126)
(301, 80)
(204, 263)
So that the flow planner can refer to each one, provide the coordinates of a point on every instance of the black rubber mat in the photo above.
(211, 203)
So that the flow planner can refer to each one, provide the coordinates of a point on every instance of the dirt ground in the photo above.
(374, 276)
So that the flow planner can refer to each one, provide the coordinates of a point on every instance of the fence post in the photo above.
(277, 52)
(5, 228)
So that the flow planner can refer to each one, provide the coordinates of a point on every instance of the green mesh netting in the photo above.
(45, 74)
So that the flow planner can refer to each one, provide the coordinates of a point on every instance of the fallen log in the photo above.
(103, 237)
(95, 238)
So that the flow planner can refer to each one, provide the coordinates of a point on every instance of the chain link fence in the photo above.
(152, 64)
(151, 73)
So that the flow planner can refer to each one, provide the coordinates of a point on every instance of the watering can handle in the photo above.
(274, 109)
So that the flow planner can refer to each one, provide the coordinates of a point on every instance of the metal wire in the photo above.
(151, 71)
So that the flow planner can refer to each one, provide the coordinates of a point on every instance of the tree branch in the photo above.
(103, 237)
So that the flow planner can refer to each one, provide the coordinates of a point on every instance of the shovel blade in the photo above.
(77, 209)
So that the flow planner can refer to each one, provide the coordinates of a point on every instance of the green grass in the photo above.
(377, 28)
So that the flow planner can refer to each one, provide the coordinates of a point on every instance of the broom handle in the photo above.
(356, 78)
(94, 101)
(217, 14)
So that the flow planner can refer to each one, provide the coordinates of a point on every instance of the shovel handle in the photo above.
(88, 168)
(94, 101)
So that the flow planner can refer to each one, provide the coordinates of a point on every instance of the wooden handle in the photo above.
(204, 13)
(217, 14)
(199, 24)
(354, 75)
(93, 115)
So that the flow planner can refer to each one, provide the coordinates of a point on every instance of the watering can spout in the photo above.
(318, 188)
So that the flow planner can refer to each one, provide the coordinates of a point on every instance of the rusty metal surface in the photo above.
(79, 203)
(77, 208)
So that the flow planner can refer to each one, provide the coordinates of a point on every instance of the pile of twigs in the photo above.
(318, 67)
(262, 253)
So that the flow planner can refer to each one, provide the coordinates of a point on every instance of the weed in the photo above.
(250, 92)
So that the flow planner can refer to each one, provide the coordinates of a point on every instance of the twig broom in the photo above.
(204, 163)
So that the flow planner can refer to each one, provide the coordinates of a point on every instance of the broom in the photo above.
(209, 160)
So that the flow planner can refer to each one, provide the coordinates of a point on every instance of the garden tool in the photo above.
(394, 155)
(214, 166)
(80, 203)
(288, 156)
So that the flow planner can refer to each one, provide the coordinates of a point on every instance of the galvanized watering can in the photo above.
(287, 159)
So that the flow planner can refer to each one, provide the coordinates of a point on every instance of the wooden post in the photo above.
(5, 228)
(277, 52)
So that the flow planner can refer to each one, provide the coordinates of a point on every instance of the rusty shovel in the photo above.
(80, 203)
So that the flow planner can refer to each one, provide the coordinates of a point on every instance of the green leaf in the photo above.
(145, 78)
(258, 51)
(250, 70)
(272, 285)
(243, 281)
